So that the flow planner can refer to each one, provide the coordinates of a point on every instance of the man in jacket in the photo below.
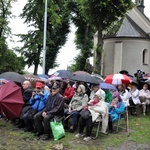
(27, 93)
(54, 110)
(37, 102)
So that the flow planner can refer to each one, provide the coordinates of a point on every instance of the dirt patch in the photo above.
(130, 145)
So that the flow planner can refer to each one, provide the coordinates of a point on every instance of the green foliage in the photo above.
(84, 36)
(9, 60)
(101, 15)
(5, 14)
(57, 30)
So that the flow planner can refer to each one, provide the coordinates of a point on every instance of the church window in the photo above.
(145, 57)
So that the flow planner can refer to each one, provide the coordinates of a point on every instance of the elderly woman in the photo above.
(144, 95)
(96, 107)
(78, 101)
(116, 106)
(134, 98)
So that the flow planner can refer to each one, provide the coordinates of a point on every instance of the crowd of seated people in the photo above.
(65, 99)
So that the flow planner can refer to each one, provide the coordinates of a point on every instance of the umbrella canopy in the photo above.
(107, 86)
(3, 81)
(98, 77)
(84, 78)
(43, 76)
(55, 78)
(64, 74)
(80, 72)
(13, 76)
(117, 79)
(32, 77)
(11, 100)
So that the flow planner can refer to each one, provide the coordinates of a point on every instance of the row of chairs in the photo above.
(122, 122)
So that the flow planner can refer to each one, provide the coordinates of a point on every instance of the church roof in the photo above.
(128, 28)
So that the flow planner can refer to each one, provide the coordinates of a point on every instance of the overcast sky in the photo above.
(67, 52)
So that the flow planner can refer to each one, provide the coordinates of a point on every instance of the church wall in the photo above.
(131, 56)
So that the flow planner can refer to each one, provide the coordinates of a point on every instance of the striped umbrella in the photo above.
(117, 79)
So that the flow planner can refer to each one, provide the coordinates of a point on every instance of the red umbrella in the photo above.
(11, 100)
(117, 79)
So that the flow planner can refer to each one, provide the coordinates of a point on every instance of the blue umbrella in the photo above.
(43, 76)
(107, 86)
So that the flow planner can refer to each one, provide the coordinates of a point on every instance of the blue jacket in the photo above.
(114, 112)
(39, 102)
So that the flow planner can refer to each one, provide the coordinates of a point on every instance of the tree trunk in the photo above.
(35, 69)
(98, 52)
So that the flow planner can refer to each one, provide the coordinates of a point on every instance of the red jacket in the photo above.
(69, 92)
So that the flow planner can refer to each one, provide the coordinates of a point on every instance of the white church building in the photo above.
(129, 48)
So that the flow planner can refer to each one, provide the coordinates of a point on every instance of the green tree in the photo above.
(101, 15)
(57, 30)
(84, 36)
(9, 60)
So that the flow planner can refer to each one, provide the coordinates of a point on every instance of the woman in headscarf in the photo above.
(78, 101)
(116, 106)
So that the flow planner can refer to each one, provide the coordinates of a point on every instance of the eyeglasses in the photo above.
(54, 88)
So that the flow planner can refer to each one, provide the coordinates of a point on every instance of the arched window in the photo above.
(145, 57)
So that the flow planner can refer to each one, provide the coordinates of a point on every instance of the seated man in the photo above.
(134, 100)
(37, 102)
(115, 107)
(27, 93)
(54, 110)
(144, 95)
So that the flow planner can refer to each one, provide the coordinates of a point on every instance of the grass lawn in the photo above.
(12, 138)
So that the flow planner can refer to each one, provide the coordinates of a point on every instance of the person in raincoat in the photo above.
(78, 101)
(115, 108)
(97, 108)
(37, 103)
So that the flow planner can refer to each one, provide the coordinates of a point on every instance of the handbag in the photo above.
(85, 113)
(57, 130)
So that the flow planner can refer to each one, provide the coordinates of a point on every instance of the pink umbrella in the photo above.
(117, 79)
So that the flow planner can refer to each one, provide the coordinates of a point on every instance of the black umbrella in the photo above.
(64, 74)
(84, 78)
(13, 76)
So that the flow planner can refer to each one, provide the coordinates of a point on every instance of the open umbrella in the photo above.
(98, 77)
(11, 100)
(31, 77)
(107, 86)
(117, 79)
(3, 81)
(80, 72)
(84, 78)
(43, 76)
(64, 74)
(13, 76)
